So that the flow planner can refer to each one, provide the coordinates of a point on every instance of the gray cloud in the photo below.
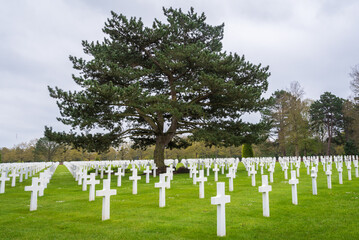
(312, 42)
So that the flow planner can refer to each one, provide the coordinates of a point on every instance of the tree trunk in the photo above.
(296, 150)
(328, 147)
(159, 154)
(330, 131)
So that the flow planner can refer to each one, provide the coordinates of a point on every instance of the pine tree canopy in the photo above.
(152, 84)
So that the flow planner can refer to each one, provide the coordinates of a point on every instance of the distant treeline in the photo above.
(299, 127)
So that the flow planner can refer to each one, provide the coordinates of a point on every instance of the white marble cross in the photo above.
(147, 171)
(92, 182)
(201, 179)
(265, 189)
(253, 173)
(171, 169)
(96, 169)
(314, 180)
(340, 171)
(3, 179)
(84, 181)
(294, 181)
(329, 176)
(134, 178)
(220, 200)
(190, 168)
(106, 193)
(44, 178)
(356, 168)
(22, 172)
(308, 170)
(79, 175)
(119, 175)
(222, 168)
(208, 166)
(194, 172)
(298, 168)
(168, 177)
(215, 170)
(349, 168)
(27, 171)
(34, 188)
(109, 171)
(271, 171)
(162, 185)
(41, 185)
(13, 175)
(101, 171)
(285, 169)
(231, 175)
(154, 168)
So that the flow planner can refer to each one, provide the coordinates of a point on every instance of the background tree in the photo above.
(247, 151)
(327, 112)
(153, 84)
(277, 115)
(297, 123)
(354, 84)
(46, 149)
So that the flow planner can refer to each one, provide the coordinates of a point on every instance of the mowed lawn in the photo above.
(64, 211)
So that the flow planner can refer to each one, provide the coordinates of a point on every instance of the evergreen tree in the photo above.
(247, 151)
(152, 84)
(328, 112)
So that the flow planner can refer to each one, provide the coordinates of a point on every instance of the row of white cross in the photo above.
(21, 170)
(79, 170)
(39, 184)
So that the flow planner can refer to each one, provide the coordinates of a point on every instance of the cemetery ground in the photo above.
(64, 212)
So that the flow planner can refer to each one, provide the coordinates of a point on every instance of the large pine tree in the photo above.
(152, 84)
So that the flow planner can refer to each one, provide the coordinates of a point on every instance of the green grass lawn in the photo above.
(64, 211)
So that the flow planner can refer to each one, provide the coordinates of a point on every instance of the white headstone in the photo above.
(194, 172)
(34, 188)
(134, 178)
(106, 193)
(109, 171)
(220, 200)
(101, 171)
(265, 189)
(294, 181)
(119, 175)
(285, 169)
(201, 179)
(231, 175)
(21, 173)
(41, 185)
(3, 179)
(13, 175)
(253, 173)
(271, 171)
(154, 168)
(349, 168)
(92, 181)
(314, 180)
(147, 171)
(340, 171)
(84, 181)
(79, 175)
(162, 185)
(215, 170)
(329, 177)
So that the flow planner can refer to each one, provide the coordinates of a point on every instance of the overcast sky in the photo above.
(310, 41)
